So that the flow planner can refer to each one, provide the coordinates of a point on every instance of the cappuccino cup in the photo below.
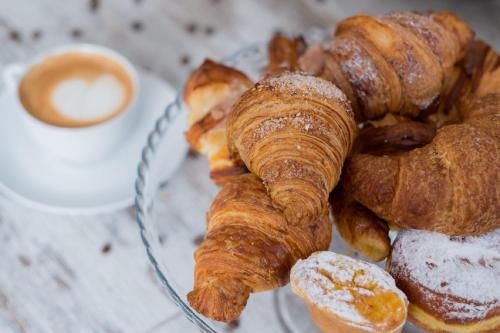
(76, 101)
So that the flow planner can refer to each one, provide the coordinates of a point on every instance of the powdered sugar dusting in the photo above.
(313, 278)
(300, 121)
(306, 83)
(360, 67)
(463, 267)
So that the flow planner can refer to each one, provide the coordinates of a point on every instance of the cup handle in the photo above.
(11, 75)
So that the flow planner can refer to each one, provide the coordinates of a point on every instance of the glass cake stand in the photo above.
(171, 217)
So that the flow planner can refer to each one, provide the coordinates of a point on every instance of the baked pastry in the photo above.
(396, 62)
(209, 94)
(451, 282)
(348, 295)
(283, 53)
(359, 227)
(294, 131)
(394, 134)
(448, 186)
(249, 247)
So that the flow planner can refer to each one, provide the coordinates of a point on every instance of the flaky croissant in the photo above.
(249, 247)
(294, 131)
(283, 53)
(209, 94)
(473, 78)
(395, 63)
(448, 186)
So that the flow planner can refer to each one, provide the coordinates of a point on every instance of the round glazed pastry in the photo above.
(348, 295)
(451, 282)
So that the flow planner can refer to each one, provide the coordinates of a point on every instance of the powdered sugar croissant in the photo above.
(395, 63)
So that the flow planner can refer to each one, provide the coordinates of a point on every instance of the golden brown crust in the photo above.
(359, 227)
(449, 185)
(396, 62)
(209, 95)
(210, 74)
(249, 247)
(294, 131)
(284, 53)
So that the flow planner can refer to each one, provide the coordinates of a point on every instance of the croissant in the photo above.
(283, 53)
(249, 247)
(448, 185)
(395, 63)
(294, 131)
(209, 94)
(359, 227)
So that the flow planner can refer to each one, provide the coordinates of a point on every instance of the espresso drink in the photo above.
(76, 89)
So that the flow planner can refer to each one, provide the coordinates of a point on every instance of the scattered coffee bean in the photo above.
(106, 248)
(15, 36)
(198, 239)
(185, 60)
(233, 325)
(24, 260)
(76, 33)
(36, 35)
(193, 154)
(209, 30)
(161, 239)
(137, 26)
(191, 28)
(94, 5)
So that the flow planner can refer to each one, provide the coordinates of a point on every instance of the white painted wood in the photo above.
(54, 276)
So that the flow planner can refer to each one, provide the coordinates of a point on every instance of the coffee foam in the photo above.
(81, 99)
(76, 89)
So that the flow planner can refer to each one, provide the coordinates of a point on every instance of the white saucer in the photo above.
(34, 178)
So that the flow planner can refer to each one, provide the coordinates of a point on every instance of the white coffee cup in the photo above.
(78, 144)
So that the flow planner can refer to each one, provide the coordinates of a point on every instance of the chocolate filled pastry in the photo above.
(348, 295)
(451, 282)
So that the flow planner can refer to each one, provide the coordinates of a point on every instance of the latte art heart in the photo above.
(81, 99)
(76, 89)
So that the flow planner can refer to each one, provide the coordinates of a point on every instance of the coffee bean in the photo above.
(137, 26)
(198, 239)
(15, 36)
(76, 33)
(94, 5)
(106, 248)
(209, 30)
(191, 28)
(185, 60)
(233, 325)
(36, 35)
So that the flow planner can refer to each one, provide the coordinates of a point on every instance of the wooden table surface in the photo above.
(90, 273)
